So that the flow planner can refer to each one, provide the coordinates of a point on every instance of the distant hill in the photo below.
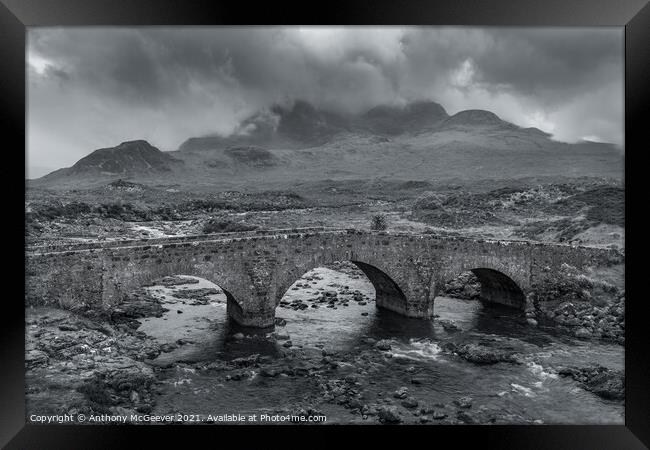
(130, 159)
(284, 145)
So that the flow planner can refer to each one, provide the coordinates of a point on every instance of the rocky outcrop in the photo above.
(604, 382)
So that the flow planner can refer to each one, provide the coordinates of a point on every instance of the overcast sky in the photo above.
(90, 88)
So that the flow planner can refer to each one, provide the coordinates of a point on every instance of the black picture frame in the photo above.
(16, 15)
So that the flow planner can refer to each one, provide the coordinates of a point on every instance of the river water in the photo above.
(530, 392)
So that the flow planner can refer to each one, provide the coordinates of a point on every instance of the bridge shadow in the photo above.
(482, 318)
(381, 324)
(388, 324)
(236, 341)
(509, 322)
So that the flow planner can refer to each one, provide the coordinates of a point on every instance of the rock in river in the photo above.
(481, 354)
(384, 345)
(604, 382)
(448, 326)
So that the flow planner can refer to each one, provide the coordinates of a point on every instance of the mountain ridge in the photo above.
(286, 144)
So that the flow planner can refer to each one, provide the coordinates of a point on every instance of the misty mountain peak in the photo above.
(298, 107)
(475, 117)
(305, 123)
(137, 143)
(412, 117)
(426, 107)
(302, 125)
(415, 107)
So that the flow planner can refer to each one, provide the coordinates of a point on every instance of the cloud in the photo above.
(94, 87)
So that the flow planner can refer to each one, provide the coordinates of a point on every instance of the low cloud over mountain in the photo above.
(92, 87)
(289, 144)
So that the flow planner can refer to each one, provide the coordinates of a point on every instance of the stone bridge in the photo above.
(255, 269)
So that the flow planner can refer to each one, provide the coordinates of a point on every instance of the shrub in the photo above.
(378, 222)
(59, 209)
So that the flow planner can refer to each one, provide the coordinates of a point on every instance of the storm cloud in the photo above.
(96, 87)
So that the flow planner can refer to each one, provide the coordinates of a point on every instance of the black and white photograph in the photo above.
(317, 225)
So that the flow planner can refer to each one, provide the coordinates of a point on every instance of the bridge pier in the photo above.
(249, 317)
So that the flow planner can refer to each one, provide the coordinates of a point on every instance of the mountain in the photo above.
(297, 126)
(473, 118)
(130, 159)
(285, 145)
(394, 120)
(302, 125)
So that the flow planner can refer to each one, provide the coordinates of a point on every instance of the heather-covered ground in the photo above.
(581, 211)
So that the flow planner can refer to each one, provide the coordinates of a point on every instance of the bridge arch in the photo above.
(388, 293)
(131, 272)
(499, 288)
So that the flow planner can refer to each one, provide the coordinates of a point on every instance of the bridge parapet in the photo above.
(73, 246)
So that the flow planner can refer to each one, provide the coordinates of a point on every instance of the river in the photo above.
(345, 333)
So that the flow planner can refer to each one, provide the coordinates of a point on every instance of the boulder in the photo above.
(464, 402)
(389, 414)
(401, 393)
(410, 402)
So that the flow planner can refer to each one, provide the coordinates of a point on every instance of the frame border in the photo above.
(634, 15)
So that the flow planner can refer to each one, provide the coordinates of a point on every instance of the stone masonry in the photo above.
(255, 269)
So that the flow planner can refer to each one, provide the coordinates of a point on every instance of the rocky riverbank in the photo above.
(77, 364)
(606, 383)
(582, 306)
(90, 362)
